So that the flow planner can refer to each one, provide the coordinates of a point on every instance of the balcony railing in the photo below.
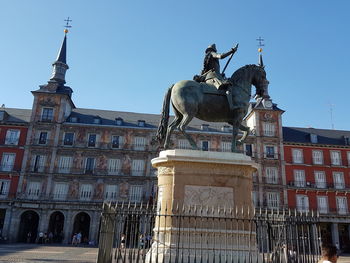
(86, 198)
(104, 172)
(318, 185)
(10, 168)
(38, 142)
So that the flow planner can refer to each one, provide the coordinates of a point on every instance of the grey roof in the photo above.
(131, 119)
(324, 136)
(13, 115)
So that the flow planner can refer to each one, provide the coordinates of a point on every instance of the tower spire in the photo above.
(60, 65)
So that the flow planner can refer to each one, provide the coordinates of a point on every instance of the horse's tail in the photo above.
(163, 124)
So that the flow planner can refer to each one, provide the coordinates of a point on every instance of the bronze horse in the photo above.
(192, 99)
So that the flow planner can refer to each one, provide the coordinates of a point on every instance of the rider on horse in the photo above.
(211, 71)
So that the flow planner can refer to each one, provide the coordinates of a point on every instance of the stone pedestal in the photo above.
(201, 196)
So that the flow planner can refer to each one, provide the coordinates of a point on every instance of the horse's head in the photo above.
(259, 81)
(252, 74)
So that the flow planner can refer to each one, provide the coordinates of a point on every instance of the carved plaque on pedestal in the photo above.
(211, 196)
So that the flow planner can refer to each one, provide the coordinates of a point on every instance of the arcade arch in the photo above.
(28, 227)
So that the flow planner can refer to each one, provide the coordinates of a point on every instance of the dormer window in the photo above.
(225, 128)
(2, 115)
(346, 140)
(141, 123)
(74, 119)
(97, 120)
(205, 127)
(119, 121)
(313, 138)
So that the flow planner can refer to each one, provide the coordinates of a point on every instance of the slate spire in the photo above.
(60, 65)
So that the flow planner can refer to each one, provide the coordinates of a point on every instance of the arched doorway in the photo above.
(55, 230)
(28, 227)
(82, 225)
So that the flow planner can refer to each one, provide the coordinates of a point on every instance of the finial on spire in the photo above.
(67, 25)
(260, 45)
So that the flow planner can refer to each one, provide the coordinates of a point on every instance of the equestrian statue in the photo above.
(212, 97)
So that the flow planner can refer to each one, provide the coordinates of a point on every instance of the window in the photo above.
(85, 192)
(271, 175)
(64, 164)
(68, 139)
(60, 191)
(183, 144)
(205, 145)
(141, 123)
(313, 138)
(342, 205)
(4, 188)
(89, 165)
(249, 149)
(38, 163)
(273, 199)
(92, 140)
(320, 179)
(135, 193)
(47, 114)
(302, 203)
(117, 141)
(12, 137)
(7, 162)
(119, 121)
(205, 127)
(33, 190)
(322, 204)
(139, 143)
(269, 129)
(335, 158)
(297, 155)
(42, 138)
(73, 119)
(114, 166)
(111, 192)
(317, 157)
(225, 128)
(338, 179)
(226, 146)
(348, 155)
(97, 120)
(270, 152)
(299, 178)
(138, 167)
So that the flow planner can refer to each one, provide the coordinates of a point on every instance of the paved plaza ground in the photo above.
(24, 253)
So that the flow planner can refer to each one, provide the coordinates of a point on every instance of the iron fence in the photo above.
(137, 233)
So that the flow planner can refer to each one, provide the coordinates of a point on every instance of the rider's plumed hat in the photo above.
(212, 47)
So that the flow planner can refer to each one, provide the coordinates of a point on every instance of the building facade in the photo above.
(74, 159)
(13, 133)
(318, 177)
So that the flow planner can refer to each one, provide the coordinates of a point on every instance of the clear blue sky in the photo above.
(123, 55)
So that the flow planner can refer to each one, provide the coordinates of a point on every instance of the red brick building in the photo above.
(317, 166)
(13, 133)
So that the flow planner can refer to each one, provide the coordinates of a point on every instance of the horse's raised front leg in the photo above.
(185, 121)
(170, 129)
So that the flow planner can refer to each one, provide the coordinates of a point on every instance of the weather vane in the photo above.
(260, 44)
(67, 25)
